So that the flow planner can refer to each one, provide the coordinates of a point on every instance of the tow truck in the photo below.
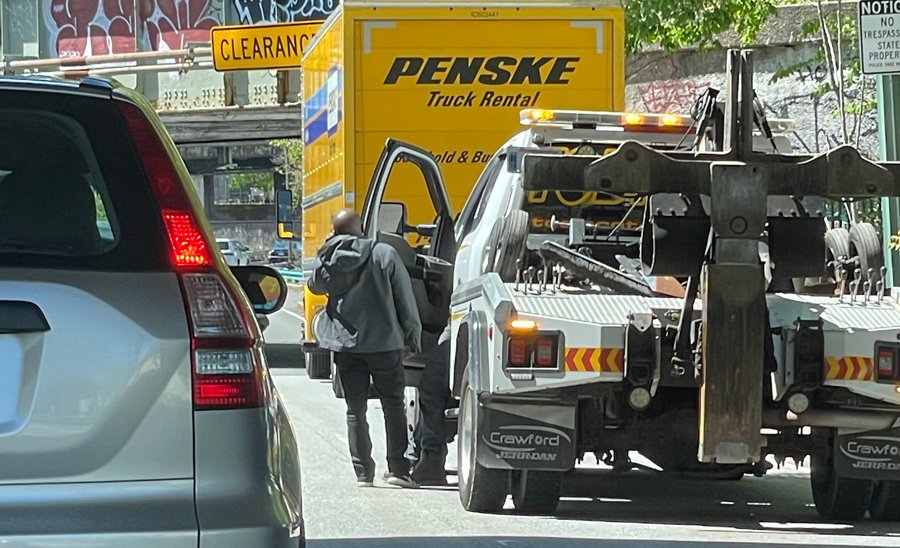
(679, 292)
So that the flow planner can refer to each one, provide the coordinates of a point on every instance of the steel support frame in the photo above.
(739, 183)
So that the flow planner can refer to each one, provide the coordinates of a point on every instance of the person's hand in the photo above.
(408, 352)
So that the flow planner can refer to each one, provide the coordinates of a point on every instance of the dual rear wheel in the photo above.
(483, 489)
(840, 498)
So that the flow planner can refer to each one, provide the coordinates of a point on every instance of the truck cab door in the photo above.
(407, 207)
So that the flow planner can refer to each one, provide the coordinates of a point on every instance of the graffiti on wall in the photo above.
(673, 95)
(807, 73)
(172, 24)
(89, 27)
(99, 27)
(260, 11)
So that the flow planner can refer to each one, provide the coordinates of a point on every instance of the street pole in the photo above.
(888, 101)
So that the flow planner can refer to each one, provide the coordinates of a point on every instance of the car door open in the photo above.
(407, 207)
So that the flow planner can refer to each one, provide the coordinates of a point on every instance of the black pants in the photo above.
(386, 372)
(434, 390)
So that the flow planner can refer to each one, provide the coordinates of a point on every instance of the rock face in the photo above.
(670, 83)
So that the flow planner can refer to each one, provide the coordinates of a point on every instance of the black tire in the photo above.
(318, 365)
(480, 489)
(837, 498)
(676, 451)
(865, 244)
(506, 245)
(837, 245)
(536, 492)
(885, 504)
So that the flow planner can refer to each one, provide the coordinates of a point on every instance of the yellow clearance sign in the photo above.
(261, 47)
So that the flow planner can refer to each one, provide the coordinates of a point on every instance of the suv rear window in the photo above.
(58, 207)
(72, 192)
(223, 245)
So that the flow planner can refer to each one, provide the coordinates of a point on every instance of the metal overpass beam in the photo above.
(230, 125)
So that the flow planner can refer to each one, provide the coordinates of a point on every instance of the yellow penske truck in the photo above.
(449, 76)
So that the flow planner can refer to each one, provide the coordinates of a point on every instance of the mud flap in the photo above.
(526, 436)
(733, 343)
(873, 455)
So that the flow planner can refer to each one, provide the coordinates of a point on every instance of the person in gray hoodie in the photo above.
(370, 320)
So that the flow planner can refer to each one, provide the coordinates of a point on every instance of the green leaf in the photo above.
(678, 24)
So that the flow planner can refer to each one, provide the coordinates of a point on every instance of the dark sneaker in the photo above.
(366, 476)
(429, 471)
(398, 480)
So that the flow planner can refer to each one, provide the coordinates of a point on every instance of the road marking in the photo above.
(294, 314)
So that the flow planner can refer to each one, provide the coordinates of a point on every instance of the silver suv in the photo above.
(136, 406)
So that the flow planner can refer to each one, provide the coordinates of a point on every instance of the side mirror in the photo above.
(392, 217)
(264, 287)
(284, 201)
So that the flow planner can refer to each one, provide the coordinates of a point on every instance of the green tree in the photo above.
(678, 24)
(290, 153)
(836, 33)
(243, 182)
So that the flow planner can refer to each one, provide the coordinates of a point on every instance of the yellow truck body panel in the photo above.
(448, 77)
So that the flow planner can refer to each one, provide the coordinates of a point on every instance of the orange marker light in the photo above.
(523, 326)
(633, 119)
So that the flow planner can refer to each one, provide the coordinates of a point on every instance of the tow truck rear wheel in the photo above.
(536, 492)
(836, 497)
(837, 243)
(866, 246)
(480, 489)
(885, 505)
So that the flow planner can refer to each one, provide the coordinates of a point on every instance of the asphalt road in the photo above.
(285, 331)
(598, 508)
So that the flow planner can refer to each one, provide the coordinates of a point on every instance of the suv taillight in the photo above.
(227, 361)
(225, 357)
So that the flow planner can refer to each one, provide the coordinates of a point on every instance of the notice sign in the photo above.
(261, 47)
(879, 36)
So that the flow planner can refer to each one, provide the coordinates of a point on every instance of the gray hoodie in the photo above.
(371, 290)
